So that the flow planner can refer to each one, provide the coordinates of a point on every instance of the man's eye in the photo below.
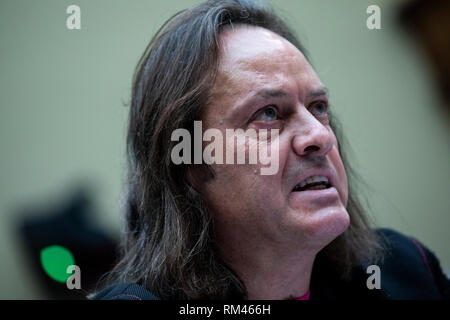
(269, 113)
(320, 108)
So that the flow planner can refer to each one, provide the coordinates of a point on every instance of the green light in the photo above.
(55, 260)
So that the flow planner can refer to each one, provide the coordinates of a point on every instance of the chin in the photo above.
(326, 225)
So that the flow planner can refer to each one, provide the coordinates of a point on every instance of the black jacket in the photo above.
(409, 271)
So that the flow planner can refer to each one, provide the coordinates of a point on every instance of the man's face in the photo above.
(264, 82)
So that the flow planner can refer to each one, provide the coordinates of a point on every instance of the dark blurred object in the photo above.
(429, 21)
(69, 226)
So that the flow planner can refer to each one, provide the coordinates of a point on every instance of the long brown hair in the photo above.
(168, 246)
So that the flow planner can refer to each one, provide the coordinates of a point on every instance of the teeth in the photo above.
(312, 179)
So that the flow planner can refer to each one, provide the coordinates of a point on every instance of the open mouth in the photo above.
(313, 183)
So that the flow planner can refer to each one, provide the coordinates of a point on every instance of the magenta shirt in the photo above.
(305, 297)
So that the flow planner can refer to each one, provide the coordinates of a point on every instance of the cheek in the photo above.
(240, 189)
(342, 184)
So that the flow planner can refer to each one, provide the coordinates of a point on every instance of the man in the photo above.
(221, 229)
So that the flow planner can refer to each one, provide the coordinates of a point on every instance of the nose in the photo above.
(313, 138)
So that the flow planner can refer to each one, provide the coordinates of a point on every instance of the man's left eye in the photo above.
(320, 108)
(269, 113)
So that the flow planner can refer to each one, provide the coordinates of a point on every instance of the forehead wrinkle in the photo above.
(266, 62)
(261, 63)
(244, 83)
(270, 61)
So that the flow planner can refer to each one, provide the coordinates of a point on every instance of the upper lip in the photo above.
(316, 172)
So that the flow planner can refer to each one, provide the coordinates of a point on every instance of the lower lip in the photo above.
(320, 197)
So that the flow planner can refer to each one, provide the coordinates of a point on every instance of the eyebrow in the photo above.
(267, 93)
(263, 94)
(318, 92)
(278, 93)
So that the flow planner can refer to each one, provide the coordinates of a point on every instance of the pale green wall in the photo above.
(63, 120)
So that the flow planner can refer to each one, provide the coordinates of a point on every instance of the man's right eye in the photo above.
(267, 114)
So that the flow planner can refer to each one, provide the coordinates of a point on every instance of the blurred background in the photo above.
(64, 95)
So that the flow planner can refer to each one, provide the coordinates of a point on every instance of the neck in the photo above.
(273, 274)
